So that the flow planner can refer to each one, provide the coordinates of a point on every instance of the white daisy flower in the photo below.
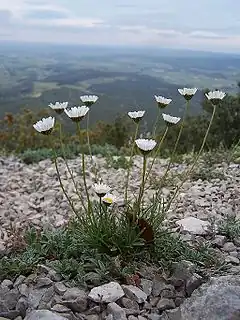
(170, 119)
(162, 102)
(45, 126)
(77, 113)
(136, 115)
(146, 145)
(58, 106)
(188, 93)
(215, 96)
(89, 100)
(109, 199)
(101, 189)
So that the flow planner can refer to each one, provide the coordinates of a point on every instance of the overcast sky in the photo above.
(192, 24)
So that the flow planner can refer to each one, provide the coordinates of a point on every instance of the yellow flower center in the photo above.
(108, 200)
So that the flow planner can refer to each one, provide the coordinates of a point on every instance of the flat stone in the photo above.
(173, 314)
(194, 225)
(219, 241)
(232, 260)
(236, 241)
(43, 282)
(165, 304)
(154, 316)
(43, 315)
(73, 293)
(23, 289)
(159, 284)
(193, 283)
(60, 308)
(109, 292)
(7, 283)
(219, 299)
(129, 303)
(11, 298)
(19, 280)
(116, 311)
(134, 293)
(146, 286)
(60, 288)
(229, 246)
(22, 306)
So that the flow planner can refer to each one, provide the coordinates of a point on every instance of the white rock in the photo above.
(194, 225)
(116, 311)
(135, 293)
(43, 315)
(109, 292)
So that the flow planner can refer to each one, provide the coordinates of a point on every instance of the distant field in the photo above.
(40, 87)
(35, 76)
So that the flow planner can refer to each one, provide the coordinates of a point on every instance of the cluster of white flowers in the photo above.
(215, 96)
(89, 100)
(162, 102)
(146, 145)
(77, 113)
(46, 125)
(136, 115)
(187, 93)
(59, 107)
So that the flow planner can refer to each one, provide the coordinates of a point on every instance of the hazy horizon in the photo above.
(200, 26)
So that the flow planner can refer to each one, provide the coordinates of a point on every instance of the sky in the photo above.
(209, 25)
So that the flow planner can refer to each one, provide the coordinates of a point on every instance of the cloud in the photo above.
(5, 17)
(204, 24)
(206, 35)
(45, 14)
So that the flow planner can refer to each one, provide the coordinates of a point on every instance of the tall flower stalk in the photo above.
(84, 168)
(215, 97)
(77, 114)
(136, 116)
(89, 100)
(176, 142)
(61, 184)
(188, 94)
(130, 162)
(141, 189)
(157, 152)
(145, 146)
(68, 168)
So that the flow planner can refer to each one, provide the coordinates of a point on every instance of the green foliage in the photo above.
(229, 227)
(91, 258)
(71, 151)
(225, 130)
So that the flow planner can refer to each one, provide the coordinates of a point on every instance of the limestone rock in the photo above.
(109, 292)
(194, 225)
(218, 299)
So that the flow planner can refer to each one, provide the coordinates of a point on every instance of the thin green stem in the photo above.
(90, 150)
(68, 168)
(156, 122)
(175, 145)
(157, 152)
(60, 181)
(189, 171)
(100, 206)
(141, 190)
(83, 168)
(130, 161)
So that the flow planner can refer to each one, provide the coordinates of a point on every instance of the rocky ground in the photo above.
(31, 194)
